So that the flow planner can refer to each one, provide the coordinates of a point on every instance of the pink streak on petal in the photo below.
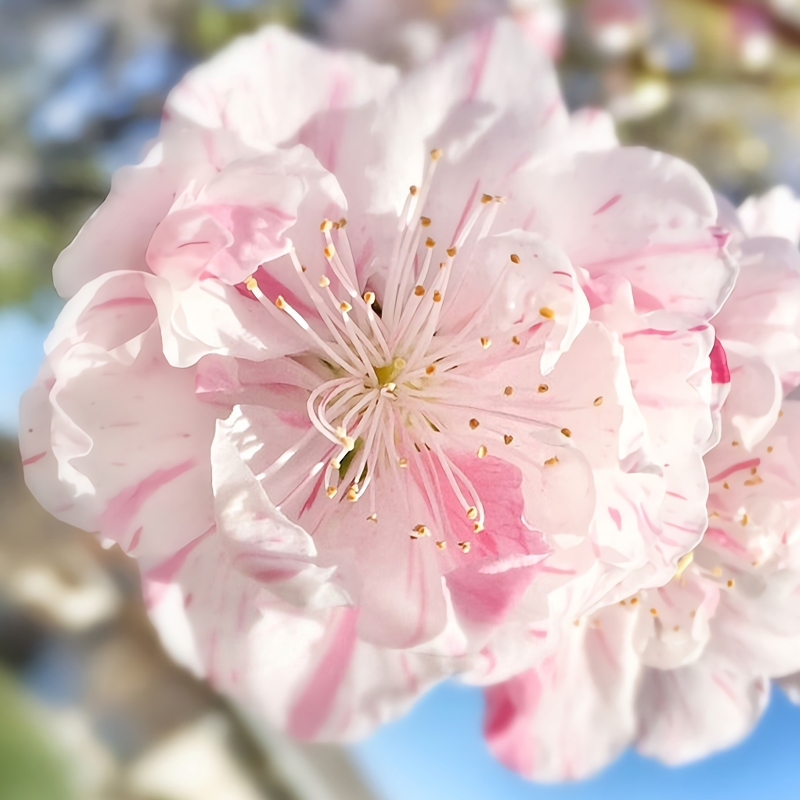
(508, 705)
(123, 302)
(726, 541)
(616, 516)
(753, 462)
(653, 251)
(157, 580)
(608, 204)
(310, 710)
(483, 46)
(488, 598)
(33, 459)
(122, 508)
(135, 539)
(719, 363)
(646, 332)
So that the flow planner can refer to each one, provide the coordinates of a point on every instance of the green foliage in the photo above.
(30, 768)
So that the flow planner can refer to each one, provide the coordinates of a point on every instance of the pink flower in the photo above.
(683, 670)
(410, 32)
(361, 437)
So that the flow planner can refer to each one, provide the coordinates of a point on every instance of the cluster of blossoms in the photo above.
(386, 378)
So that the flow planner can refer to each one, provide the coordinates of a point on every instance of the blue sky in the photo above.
(436, 753)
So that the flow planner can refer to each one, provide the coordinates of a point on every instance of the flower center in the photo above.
(389, 372)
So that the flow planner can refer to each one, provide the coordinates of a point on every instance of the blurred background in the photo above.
(90, 708)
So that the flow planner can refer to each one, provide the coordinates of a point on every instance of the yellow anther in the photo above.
(487, 198)
(329, 251)
(543, 387)
(716, 572)
(744, 520)
(515, 340)
(325, 225)
(725, 485)
(441, 545)
(730, 583)
(465, 547)
(342, 222)
(436, 154)
(754, 481)
(566, 432)
(352, 494)
(437, 296)
(430, 242)
(335, 464)
(451, 251)
(419, 290)
(402, 462)
(430, 369)
(770, 449)
(735, 443)
(412, 190)
(425, 222)
(372, 518)
(654, 612)
(508, 438)
(331, 492)
(598, 401)
(280, 302)
(369, 298)
(683, 563)
(634, 600)
(472, 512)
(345, 307)
(421, 530)
(515, 258)
(473, 423)
(486, 342)
(324, 282)
(477, 527)
(482, 451)
(508, 391)
(251, 283)
(546, 312)
(551, 461)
